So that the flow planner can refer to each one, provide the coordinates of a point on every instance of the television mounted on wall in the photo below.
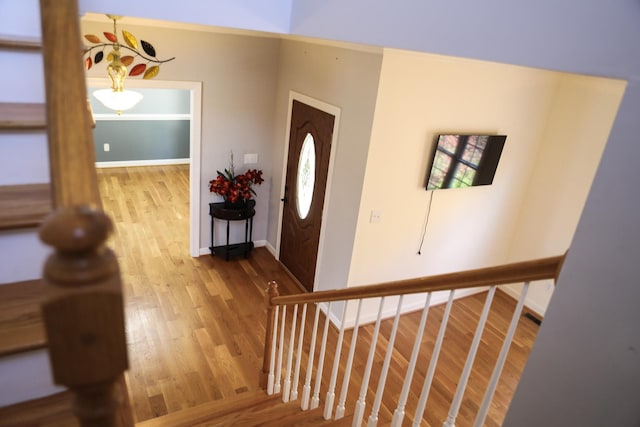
(460, 161)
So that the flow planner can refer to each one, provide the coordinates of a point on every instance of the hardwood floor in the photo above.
(195, 326)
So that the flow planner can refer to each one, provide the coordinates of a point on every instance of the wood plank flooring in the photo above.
(195, 326)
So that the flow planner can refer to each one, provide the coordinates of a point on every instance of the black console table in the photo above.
(218, 211)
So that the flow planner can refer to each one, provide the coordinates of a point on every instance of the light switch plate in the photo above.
(251, 158)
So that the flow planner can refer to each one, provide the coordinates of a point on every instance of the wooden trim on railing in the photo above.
(82, 303)
(539, 269)
(272, 292)
(71, 149)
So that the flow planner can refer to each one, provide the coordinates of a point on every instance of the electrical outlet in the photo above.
(376, 216)
(106, 147)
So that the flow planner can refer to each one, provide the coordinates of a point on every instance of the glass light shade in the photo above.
(118, 100)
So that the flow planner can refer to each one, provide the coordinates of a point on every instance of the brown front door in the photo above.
(307, 165)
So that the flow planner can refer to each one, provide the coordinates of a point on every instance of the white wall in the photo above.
(238, 75)
(347, 79)
(570, 149)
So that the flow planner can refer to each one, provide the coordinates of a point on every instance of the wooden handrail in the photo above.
(539, 269)
(71, 149)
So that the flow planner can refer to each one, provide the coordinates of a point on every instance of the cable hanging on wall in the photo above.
(426, 221)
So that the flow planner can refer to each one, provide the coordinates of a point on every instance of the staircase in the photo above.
(311, 343)
(66, 323)
(41, 337)
(25, 199)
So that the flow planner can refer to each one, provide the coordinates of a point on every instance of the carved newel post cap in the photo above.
(76, 229)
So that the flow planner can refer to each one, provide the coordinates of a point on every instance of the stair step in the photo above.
(21, 326)
(19, 42)
(212, 410)
(50, 411)
(24, 206)
(22, 116)
(246, 410)
(278, 415)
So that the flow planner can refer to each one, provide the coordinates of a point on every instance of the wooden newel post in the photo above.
(272, 292)
(83, 313)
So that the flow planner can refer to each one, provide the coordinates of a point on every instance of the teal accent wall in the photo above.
(135, 140)
(141, 139)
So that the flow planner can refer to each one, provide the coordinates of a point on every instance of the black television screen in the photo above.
(460, 161)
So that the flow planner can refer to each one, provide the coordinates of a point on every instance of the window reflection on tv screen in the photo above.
(461, 161)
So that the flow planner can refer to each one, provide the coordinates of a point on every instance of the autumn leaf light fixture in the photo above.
(117, 98)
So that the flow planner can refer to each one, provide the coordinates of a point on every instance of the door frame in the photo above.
(334, 111)
(195, 143)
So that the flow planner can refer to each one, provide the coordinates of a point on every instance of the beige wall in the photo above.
(570, 149)
(347, 79)
(422, 95)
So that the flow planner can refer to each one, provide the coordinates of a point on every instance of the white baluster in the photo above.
(426, 387)
(287, 376)
(272, 362)
(462, 383)
(306, 389)
(347, 374)
(358, 415)
(398, 414)
(497, 370)
(328, 405)
(296, 375)
(276, 388)
(315, 399)
(373, 418)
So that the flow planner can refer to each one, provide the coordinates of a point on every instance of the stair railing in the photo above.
(276, 343)
(82, 306)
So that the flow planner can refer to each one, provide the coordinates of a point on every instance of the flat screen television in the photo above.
(460, 161)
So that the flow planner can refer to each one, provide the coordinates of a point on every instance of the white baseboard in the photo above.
(130, 163)
(388, 312)
(528, 302)
(271, 249)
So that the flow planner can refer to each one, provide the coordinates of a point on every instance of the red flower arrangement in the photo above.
(234, 188)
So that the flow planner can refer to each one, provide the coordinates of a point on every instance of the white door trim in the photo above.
(195, 142)
(334, 111)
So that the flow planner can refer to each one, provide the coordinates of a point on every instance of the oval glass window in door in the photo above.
(306, 176)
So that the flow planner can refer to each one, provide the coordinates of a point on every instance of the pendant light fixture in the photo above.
(118, 98)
